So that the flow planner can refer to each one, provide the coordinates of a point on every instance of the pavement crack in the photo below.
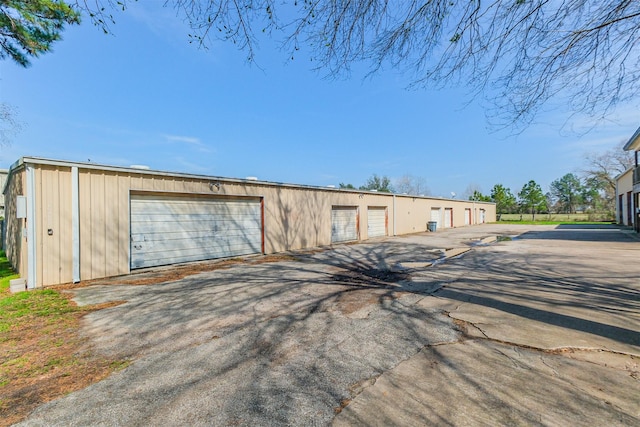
(463, 326)
(355, 390)
(544, 362)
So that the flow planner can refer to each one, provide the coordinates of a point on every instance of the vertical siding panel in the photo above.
(160, 184)
(112, 223)
(124, 183)
(171, 185)
(84, 182)
(147, 183)
(135, 182)
(41, 189)
(64, 227)
(50, 254)
(98, 225)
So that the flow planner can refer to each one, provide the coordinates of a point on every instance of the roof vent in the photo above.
(144, 167)
(251, 178)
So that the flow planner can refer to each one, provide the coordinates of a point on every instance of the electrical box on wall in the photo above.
(21, 206)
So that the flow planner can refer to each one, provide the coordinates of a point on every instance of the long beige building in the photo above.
(70, 221)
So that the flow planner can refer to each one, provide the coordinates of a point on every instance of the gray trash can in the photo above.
(432, 225)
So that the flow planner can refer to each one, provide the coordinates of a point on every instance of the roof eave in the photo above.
(634, 142)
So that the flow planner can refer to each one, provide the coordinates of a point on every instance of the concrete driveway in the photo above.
(539, 328)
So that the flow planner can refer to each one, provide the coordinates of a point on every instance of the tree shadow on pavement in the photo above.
(293, 342)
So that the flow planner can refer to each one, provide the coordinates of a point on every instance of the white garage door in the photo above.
(435, 216)
(344, 223)
(170, 229)
(467, 216)
(376, 222)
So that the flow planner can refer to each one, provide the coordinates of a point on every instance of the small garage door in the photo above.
(435, 216)
(467, 216)
(482, 216)
(376, 222)
(344, 223)
(448, 218)
(173, 229)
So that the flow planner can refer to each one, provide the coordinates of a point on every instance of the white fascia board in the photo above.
(633, 143)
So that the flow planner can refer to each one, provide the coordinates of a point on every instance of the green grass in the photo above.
(571, 218)
(37, 303)
(555, 222)
(6, 272)
(42, 355)
(44, 302)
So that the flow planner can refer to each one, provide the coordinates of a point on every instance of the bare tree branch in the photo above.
(517, 54)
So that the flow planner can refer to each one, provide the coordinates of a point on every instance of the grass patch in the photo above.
(578, 217)
(6, 272)
(543, 222)
(42, 355)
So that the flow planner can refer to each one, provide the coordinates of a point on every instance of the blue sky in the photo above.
(144, 95)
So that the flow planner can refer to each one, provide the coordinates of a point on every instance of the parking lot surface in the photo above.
(493, 324)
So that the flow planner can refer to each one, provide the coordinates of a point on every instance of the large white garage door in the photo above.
(344, 223)
(172, 229)
(376, 222)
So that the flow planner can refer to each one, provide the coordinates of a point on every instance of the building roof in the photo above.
(146, 171)
(634, 142)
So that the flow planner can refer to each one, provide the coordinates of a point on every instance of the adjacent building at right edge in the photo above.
(628, 188)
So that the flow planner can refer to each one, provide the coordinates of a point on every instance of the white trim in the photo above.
(75, 222)
(31, 227)
(634, 142)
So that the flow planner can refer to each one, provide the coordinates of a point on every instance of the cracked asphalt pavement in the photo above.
(541, 327)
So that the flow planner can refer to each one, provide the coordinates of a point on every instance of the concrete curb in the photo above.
(451, 252)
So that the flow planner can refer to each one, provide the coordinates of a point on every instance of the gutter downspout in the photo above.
(31, 227)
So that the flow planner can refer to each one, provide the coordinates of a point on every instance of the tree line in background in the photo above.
(407, 184)
(591, 191)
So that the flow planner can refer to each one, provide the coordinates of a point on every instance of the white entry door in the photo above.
(435, 216)
(448, 218)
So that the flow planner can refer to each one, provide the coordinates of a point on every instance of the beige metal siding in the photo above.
(104, 224)
(53, 225)
(294, 217)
